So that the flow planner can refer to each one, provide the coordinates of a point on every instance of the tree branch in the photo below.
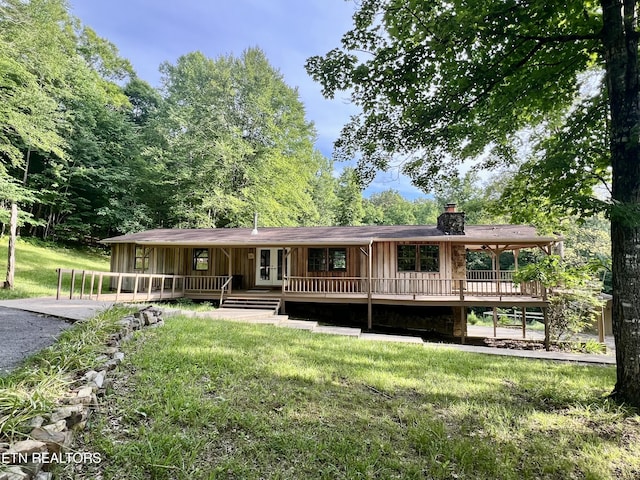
(562, 38)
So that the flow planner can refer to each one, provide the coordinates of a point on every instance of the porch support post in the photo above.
(524, 322)
(498, 279)
(285, 262)
(495, 322)
(463, 324)
(369, 287)
(229, 269)
(547, 342)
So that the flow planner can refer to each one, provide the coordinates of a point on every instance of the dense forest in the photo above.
(90, 150)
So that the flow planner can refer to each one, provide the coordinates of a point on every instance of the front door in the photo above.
(270, 266)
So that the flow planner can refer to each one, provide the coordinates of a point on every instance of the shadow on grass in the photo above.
(202, 399)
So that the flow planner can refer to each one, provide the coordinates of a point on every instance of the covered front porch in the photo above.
(145, 287)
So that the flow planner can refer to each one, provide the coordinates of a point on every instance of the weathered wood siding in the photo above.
(179, 261)
(385, 261)
(300, 265)
(169, 260)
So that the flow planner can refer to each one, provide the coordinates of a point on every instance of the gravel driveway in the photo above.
(24, 333)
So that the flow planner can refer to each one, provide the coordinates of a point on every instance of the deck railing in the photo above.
(144, 287)
(412, 286)
(490, 275)
(415, 286)
(92, 285)
(208, 284)
(326, 285)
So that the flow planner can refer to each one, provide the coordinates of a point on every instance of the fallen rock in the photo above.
(36, 421)
(14, 473)
(58, 426)
(27, 447)
(55, 441)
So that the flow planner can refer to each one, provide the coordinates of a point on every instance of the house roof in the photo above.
(516, 235)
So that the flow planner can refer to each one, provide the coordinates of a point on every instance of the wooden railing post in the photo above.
(99, 286)
(119, 287)
(59, 283)
(73, 284)
(135, 287)
(93, 278)
(149, 287)
(84, 276)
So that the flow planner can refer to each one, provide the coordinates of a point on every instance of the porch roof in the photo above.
(475, 236)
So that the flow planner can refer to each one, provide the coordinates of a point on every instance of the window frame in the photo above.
(324, 259)
(424, 258)
(141, 255)
(197, 258)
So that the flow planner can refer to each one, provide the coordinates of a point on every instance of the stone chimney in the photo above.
(451, 222)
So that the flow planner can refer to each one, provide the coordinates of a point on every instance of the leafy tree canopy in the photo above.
(443, 82)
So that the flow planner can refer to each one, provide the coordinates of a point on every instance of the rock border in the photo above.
(52, 434)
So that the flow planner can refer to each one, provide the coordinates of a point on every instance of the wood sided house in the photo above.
(372, 266)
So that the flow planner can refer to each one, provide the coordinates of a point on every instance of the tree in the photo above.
(392, 209)
(324, 186)
(234, 141)
(349, 210)
(442, 82)
(31, 71)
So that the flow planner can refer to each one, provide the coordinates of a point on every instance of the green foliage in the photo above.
(234, 141)
(444, 82)
(552, 271)
(350, 209)
(389, 208)
(36, 264)
(571, 311)
(574, 305)
(201, 399)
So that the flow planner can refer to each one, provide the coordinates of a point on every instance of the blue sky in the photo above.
(150, 32)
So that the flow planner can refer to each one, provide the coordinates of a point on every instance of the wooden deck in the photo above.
(129, 287)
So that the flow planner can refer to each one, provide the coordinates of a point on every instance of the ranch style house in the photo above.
(413, 266)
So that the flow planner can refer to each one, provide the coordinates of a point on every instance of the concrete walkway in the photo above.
(83, 309)
(69, 309)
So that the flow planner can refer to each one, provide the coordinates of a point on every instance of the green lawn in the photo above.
(209, 399)
(36, 265)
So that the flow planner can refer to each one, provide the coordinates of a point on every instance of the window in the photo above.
(327, 259)
(429, 256)
(338, 259)
(317, 261)
(141, 261)
(418, 258)
(407, 258)
(200, 259)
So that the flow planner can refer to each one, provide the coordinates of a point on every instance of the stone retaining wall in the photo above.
(52, 435)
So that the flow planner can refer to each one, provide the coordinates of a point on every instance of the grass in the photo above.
(36, 264)
(199, 399)
(34, 388)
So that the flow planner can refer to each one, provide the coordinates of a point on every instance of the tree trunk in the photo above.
(621, 57)
(11, 254)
